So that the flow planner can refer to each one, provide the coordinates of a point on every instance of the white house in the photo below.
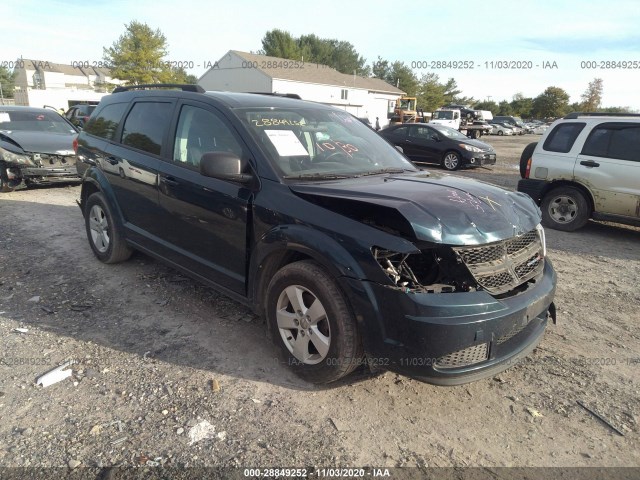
(248, 72)
(39, 83)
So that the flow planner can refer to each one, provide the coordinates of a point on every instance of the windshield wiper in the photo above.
(386, 170)
(316, 176)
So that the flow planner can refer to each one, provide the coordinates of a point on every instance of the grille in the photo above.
(462, 358)
(502, 266)
(511, 333)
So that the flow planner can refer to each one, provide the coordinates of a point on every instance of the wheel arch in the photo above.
(95, 181)
(291, 243)
(568, 183)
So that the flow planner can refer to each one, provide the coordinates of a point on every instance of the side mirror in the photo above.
(223, 165)
(399, 148)
(435, 137)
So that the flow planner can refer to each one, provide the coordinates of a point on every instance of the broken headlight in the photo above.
(11, 157)
(433, 270)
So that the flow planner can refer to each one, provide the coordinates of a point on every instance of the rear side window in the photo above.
(146, 125)
(105, 124)
(614, 140)
(562, 137)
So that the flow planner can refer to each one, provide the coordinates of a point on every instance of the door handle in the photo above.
(169, 181)
(589, 163)
(112, 160)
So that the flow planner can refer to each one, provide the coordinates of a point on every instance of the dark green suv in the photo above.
(352, 254)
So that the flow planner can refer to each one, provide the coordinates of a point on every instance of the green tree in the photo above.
(138, 56)
(334, 53)
(552, 103)
(279, 43)
(521, 105)
(592, 96)
(381, 69)
(504, 108)
(7, 82)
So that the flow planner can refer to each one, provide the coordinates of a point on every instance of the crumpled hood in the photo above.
(52, 143)
(440, 208)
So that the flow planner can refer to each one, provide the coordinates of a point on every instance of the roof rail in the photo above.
(150, 86)
(599, 114)
(274, 94)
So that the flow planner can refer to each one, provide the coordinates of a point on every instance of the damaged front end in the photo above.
(36, 168)
(499, 268)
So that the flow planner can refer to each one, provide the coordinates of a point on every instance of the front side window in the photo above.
(562, 138)
(107, 121)
(146, 126)
(200, 131)
(317, 142)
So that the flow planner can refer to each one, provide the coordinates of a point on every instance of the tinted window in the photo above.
(200, 131)
(614, 140)
(422, 133)
(400, 131)
(597, 144)
(146, 126)
(106, 123)
(625, 143)
(562, 137)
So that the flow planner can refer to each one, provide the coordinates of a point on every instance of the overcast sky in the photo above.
(541, 32)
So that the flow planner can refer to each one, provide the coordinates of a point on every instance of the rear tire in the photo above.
(524, 158)
(565, 208)
(104, 234)
(312, 323)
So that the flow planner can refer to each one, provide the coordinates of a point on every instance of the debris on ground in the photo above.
(56, 375)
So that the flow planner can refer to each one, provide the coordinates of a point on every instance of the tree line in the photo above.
(139, 56)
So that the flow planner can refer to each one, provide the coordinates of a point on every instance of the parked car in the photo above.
(585, 166)
(79, 114)
(298, 210)
(445, 146)
(36, 147)
(500, 129)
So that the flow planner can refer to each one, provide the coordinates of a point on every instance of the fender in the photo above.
(284, 240)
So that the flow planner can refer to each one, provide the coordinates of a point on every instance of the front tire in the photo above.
(104, 234)
(451, 161)
(565, 208)
(312, 323)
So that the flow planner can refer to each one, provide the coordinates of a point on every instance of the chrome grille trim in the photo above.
(502, 266)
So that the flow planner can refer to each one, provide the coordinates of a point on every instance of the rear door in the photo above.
(132, 164)
(423, 143)
(610, 164)
(204, 219)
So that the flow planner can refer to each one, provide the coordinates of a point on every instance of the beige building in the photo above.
(246, 72)
(40, 82)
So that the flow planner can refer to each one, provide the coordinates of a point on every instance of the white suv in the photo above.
(585, 166)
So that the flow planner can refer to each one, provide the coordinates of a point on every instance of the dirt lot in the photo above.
(157, 355)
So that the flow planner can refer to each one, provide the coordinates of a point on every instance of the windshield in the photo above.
(443, 115)
(321, 143)
(33, 121)
(449, 132)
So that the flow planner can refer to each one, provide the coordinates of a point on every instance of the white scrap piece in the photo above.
(56, 375)
(21, 330)
(201, 431)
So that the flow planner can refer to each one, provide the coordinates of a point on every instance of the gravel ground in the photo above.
(168, 372)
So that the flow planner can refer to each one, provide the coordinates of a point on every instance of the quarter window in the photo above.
(562, 137)
(105, 124)
(146, 126)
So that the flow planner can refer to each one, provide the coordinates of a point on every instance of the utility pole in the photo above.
(1, 95)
